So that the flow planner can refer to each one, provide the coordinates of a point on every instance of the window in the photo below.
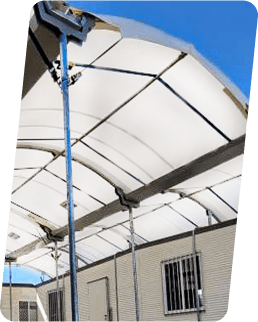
(52, 306)
(179, 284)
(27, 311)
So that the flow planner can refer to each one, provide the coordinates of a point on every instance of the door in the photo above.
(98, 299)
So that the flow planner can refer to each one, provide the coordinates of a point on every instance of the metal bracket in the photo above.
(125, 200)
(49, 234)
(60, 18)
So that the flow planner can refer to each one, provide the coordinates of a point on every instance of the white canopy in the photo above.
(149, 114)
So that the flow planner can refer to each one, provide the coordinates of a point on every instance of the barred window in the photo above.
(52, 306)
(27, 311)
(180, 286)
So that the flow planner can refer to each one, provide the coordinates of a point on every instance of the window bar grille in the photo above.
(179, 286)
(182, 284)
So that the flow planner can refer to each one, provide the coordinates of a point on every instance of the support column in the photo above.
(57, 284)
(134, 262)
(130, 203)
(68, 155)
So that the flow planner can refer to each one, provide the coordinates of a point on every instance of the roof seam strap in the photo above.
(116, 70)
(50, 172)
(224, 201)
(119, 167)
(190, 221)
(194, 109)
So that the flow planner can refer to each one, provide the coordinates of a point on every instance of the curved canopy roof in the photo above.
(148, 114)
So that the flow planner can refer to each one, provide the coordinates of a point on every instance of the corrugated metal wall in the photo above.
(216, 247)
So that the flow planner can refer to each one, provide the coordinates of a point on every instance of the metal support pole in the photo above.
(68, 154)
(209, 214)
(10, 291)
(57, 283)
(134, 260)
(196, 278)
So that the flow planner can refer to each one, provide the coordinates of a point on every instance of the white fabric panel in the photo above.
(233, 167)
(98, 92)
(40, 133)
(125, 233)
(159, 199)
(229, 191)
(118, 158)
(116, 173)
(217, 206)
(47, 264)
(24, 237)
(212, 177)
(27, 158)
(26, 259)
(44, 94)
(98, 41)
(24, 173)
(168, 126)
(43, 201)
(132, 148)
(139, 55)
(85, 179)
(156, 225)
(60, 186)
(95, 248)
(24, 224)
(191, 210)
(52, 145)
(115, 238)
(17, 182)
(201, 89)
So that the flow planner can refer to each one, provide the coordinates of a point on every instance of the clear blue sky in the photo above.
(23, 275)
(223, 31)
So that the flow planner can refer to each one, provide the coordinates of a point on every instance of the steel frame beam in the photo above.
(202, 164)
(198, 166)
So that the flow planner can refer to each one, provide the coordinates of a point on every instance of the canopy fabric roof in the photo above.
(150, 115)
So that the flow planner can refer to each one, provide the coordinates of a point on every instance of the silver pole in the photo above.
(195, 278)
(134, 260)
(68, 154)
(10, 292)
(57, 283)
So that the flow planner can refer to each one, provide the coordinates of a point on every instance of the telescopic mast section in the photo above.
(57, 16)
(68, 159)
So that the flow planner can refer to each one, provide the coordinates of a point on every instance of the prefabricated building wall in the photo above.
(215, 244)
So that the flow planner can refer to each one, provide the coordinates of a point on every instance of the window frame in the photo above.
(165, 299)
(61, 289)
(28, 308)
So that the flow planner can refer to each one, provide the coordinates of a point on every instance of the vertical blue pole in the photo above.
(72, 252)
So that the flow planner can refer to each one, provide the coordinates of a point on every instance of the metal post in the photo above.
(134, 260)
(57, 283)
(209, 214)
(10, 291)
(196, 278)
(72, 251)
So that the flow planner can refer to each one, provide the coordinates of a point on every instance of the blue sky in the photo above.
(23, 275)
(223, 31)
